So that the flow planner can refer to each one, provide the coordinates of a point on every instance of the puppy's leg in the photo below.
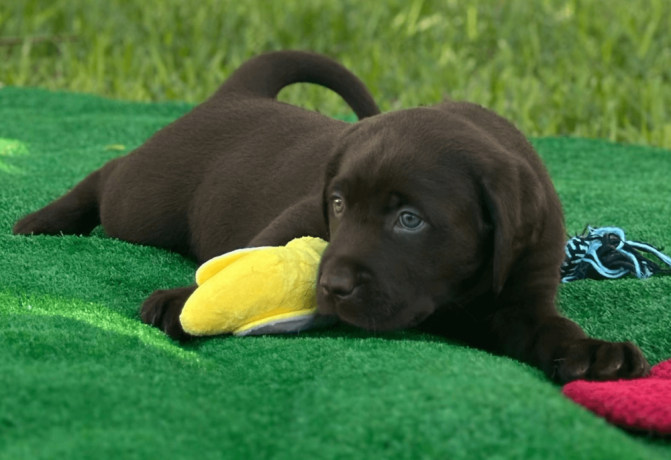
(305, 218)
(162, 309)
(75, 213)
(562, 350)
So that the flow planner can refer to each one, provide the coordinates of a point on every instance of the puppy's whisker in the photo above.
(461, 307)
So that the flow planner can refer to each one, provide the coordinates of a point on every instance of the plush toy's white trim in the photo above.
(300, 319)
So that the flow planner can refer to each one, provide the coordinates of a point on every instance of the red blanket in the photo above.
(640, 404)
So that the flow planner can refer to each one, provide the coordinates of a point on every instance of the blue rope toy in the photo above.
(604, 253)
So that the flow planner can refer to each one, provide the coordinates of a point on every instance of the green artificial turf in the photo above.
(81, 377)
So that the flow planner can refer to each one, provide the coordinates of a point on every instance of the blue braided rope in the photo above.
(605, 253)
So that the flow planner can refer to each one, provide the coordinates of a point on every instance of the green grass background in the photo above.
(590, 68)
(82, 377)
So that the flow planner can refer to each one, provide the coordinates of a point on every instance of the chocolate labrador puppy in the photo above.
(440, 217)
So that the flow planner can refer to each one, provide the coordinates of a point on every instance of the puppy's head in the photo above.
(415, 219)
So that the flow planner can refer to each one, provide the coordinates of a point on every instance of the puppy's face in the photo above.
(406, 219)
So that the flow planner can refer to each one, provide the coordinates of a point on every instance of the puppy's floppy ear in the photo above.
(513, 199)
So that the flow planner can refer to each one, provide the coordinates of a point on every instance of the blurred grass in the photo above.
(584, 68)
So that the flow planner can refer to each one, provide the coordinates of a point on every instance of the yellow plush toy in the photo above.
(253, 291)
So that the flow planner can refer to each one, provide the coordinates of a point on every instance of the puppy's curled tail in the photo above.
(264, 76)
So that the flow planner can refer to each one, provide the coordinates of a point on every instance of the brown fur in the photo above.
(242, 169)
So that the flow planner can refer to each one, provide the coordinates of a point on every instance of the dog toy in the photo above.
(266, 290)
(605, 253)
(637, 404)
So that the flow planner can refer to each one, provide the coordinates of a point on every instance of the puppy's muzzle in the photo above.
(342, 281)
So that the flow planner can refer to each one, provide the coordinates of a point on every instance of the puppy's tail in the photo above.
(265, 75)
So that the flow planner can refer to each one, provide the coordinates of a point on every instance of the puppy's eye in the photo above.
(410, 221)
(338, 206)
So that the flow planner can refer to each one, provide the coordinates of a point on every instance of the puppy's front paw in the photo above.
(592, 359)
(162, 309)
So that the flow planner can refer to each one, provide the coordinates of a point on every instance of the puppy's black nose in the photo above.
(338, 283)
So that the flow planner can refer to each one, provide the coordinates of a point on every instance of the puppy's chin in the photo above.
(381, 318)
